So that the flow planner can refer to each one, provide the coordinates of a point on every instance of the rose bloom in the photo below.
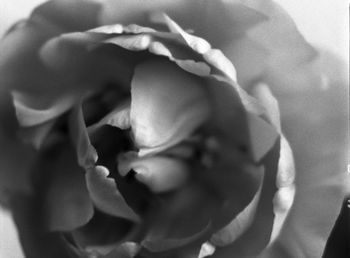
(149, 129)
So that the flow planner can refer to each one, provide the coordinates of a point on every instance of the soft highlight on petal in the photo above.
(159, 173)
(160, 96)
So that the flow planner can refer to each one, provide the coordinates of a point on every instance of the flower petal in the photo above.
(119, 117)
(262, 136)
(161, 245)
(14, 175)
(103, 233)
(229, 18)
(36, 135)
(133, 42)
(257, 236)
(125, 250)
(66, 201)
(196, 43)
(87, 155)
(207, 249)
(314, 121)
(286, 166)
(264, 95)
(105, 194)
(68, 15)
(229, 174)
(283, 55)
(217, 59)
(214, 57)
(103, 191)
(181, 215)
(240, 223)
(42, 93)
(160, 96)
(56, 170)
(284, 197)
(19, 49)
(35, 240)
(160, 174)
(28, 116)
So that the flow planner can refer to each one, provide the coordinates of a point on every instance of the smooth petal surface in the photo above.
(232, 140)
(257, 236)
(262, 136)
(70, 16)
(66, 202)
(160, 96)
(240, 223)
(217, 22)
(246, 31)
(14, 175)
(284, 197)
(282, 55)
(315, 122)
(36, 135)
(19, 49)
(34, 237)
(41, 92)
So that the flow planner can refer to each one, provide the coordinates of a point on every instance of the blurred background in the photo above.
(324, 23)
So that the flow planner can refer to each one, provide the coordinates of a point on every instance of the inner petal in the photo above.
(159, 173)
(167, 104)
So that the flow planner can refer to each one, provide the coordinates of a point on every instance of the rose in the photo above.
(162, 139)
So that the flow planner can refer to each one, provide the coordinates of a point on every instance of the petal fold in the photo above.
(167, 104)
(106, 196)
(87, 155)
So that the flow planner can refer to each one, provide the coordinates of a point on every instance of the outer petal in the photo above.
(14, 175)
(257, 236)
(41, 90)
(20, 47)
(284, 197)
(246, 31)
(315, 120)
(285, 48)
(239, 224)
(36, 242)
(62, 191)
(229, 18)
